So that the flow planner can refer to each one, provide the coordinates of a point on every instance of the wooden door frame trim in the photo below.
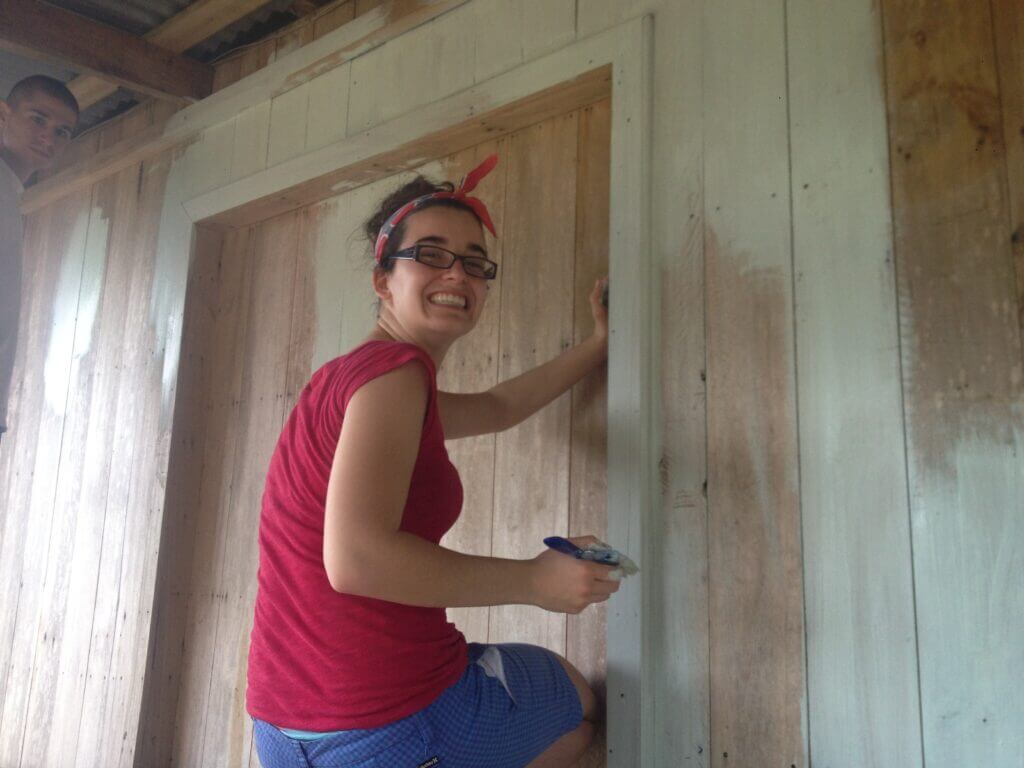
(619, 59)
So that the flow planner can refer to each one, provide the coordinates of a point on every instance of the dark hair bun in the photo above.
(405, 194)
(418, 187)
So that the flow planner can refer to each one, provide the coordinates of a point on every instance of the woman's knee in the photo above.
(588, 700)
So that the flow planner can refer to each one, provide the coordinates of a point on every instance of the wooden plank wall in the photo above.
(954, 219)
(77, 556)
(839, 233)
(253, 335)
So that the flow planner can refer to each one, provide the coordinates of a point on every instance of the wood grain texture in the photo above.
(73, 555)
(121, 623)
(215, 318)
(48, 323)
(758, 707)
(861, 636)
(588, 477)
(962, 377)
(531, 492)
(332, 50)
(1008, 25)
(262, 411)
(471, 365)
(42, 30)
(197, 22)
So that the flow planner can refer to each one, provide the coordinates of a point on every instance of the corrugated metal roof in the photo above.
(139, 17)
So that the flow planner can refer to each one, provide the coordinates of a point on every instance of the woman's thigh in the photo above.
(514, 702)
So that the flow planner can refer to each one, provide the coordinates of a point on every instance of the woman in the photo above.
(352, 660)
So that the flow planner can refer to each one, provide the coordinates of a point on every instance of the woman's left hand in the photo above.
(599, 310)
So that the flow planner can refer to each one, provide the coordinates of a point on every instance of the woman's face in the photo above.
(424, 299)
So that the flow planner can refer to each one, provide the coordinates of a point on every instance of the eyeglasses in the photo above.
(441, 258)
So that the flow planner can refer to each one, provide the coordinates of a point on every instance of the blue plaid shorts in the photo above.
(512, 703)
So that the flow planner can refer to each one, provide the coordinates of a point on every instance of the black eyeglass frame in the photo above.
(413, 254)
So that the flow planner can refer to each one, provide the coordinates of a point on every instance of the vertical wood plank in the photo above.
(758, 707)
(121, 622)
(532, 460)
(499, 41)
(547, 26)
(963, 385)
(1008, 22)
(471, 365)
(34, 496)
(69, 593)
(433, 61)
(252, 136)
(861, 645)
(288, 124)
(217, 300)
(328, 107)
(588, 487)
(262, 414)
(296, 36)
(222, 434)
(330, 20)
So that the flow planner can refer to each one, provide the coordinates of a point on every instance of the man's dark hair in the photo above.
(34, 84)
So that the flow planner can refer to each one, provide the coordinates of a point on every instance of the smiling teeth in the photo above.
(448, 299)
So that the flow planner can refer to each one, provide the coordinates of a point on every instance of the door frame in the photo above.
(615, 63)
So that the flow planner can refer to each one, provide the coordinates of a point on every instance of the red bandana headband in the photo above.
(475, 204)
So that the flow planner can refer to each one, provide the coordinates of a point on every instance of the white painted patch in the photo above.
(74, 305)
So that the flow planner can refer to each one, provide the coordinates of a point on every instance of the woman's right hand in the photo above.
(565, 584)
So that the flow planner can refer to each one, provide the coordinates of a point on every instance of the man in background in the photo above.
(36, 123)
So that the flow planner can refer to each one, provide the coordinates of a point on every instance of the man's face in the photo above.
(35, 131)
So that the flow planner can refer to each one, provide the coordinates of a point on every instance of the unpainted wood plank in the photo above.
(229, 330)
(433, 61)
(342, 268)
(34, 497)
(531, 493)
(262, 413)
(962, 379)
(758, 710)
(294, 37)
(364, 6)
(861, 650)
(588, 476)
(42, 30)
(214, 318)
(195, 23)
(1008, 23)
(227, 71)
(471, 365)
(333, 17)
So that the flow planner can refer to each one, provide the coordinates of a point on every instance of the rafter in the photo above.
(34, 28)
(198, 22)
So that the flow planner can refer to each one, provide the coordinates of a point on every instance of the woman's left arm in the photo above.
(512, 401)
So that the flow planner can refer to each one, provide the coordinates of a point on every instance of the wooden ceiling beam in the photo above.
(34, 28)
(198, 22)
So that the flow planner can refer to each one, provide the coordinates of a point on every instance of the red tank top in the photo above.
(320, 660)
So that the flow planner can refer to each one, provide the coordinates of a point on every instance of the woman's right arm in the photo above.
(366, 554)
